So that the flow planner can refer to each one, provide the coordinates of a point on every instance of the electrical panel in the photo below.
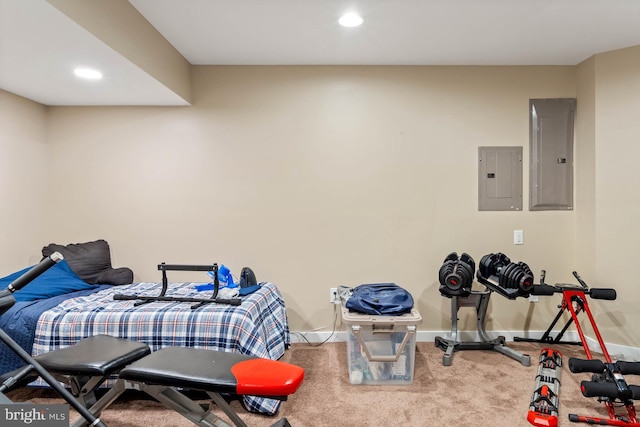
(551, 123)
(500, 178)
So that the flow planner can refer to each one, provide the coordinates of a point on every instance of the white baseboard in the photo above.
(616, 351)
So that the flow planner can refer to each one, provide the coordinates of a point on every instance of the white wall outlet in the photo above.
(518, 237)
(333, 296)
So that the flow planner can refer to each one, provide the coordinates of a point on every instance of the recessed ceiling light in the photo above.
(350, 20)
(88, 73)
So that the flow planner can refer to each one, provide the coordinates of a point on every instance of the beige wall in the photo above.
(24, 181)
(617, 189)
(585, 170)
(314, 177)
(323, 176)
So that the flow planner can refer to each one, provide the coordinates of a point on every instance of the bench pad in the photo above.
(94, 356)
(216, 371)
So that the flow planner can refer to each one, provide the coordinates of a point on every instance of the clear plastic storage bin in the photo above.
(381, 349)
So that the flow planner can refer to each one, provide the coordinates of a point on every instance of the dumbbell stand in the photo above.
(479, 300)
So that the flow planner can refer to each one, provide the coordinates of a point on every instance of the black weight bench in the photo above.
(83, 367)
(87, 364)
(213, 372)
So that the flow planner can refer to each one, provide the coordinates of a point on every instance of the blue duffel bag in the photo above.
(380, 299)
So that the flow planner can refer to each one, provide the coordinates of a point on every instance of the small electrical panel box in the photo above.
(499, 178)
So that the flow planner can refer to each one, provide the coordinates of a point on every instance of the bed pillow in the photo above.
(57, 280)
(115, 276)
(91, 261)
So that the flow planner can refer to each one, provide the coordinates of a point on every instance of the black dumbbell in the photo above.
(492, 264)
(456, 275)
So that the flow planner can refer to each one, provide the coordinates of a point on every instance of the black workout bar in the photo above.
(7, 300)
(230, 301)
(181, 267)
(35, 271)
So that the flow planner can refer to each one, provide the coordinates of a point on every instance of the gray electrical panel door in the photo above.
(551, 124)
(500, 178)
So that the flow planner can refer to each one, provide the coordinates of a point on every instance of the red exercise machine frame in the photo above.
(608, 383)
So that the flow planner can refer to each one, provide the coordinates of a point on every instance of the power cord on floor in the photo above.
(332, 325)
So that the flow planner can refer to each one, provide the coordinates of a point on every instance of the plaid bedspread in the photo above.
(257, 327)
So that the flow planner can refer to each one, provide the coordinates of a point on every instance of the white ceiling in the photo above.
(39, 45)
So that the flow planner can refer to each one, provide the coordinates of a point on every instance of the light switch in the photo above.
(518, 237)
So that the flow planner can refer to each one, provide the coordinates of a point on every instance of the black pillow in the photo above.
(91, 261)
(116, 276)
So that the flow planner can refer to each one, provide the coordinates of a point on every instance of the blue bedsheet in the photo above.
(20, 321)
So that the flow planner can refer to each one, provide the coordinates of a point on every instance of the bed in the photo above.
(258, 326)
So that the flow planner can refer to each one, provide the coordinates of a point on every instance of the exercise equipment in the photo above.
(574, 298)
(213, 269)
(84, 366)
(607, 382)
(498, 274)
(509, 279)
(18, 376)
(543, 409)
(610, 387)
(456, 275)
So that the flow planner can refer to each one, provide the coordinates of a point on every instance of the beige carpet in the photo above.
(480, 388)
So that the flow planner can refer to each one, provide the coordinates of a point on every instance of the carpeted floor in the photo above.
(480, 388)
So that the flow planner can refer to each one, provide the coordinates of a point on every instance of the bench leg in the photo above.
(191, 410)
(107, 399)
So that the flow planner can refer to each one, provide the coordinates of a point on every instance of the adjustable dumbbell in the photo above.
(492, 264)
(517, 276)
(456, 275)
(509, 275)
